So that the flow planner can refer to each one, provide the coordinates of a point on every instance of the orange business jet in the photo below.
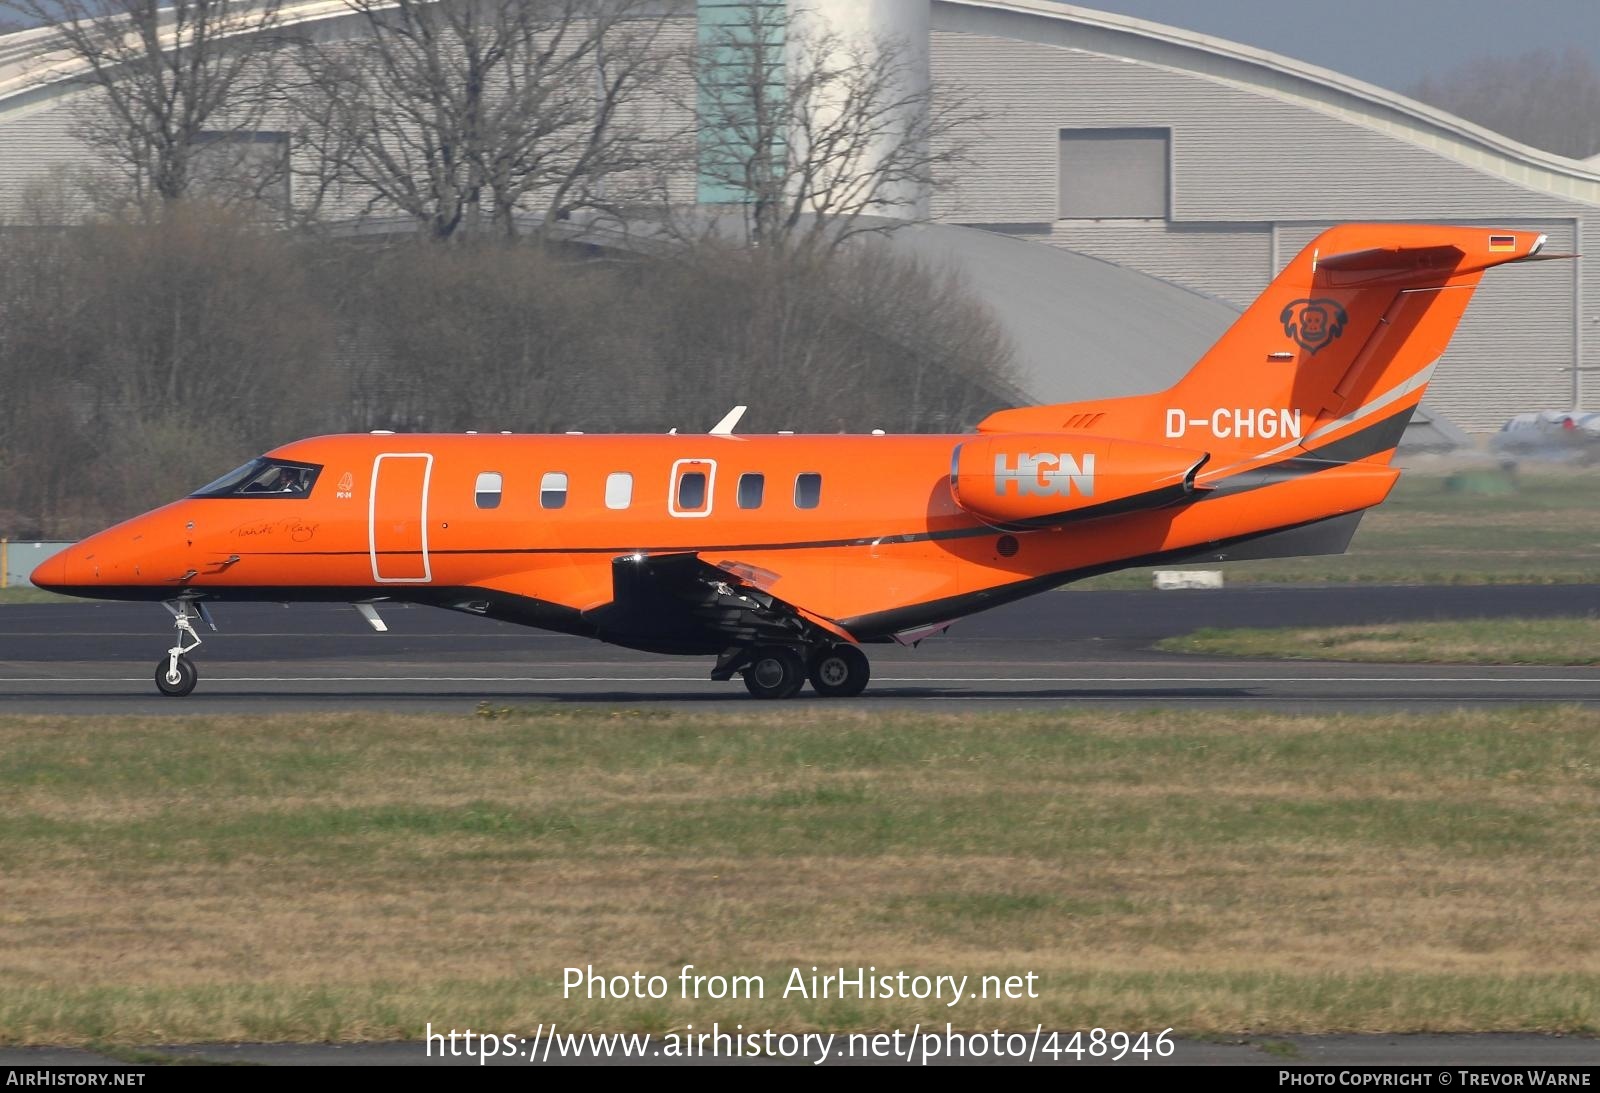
(782, 556)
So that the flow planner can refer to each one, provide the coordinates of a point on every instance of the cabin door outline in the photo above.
(706, 467)
(397, 515)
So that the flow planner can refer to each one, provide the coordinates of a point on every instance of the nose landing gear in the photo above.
(176, 674)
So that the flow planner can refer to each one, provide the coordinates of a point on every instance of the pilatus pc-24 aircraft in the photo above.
(782, 556)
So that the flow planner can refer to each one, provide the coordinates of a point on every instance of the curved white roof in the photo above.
(1282, 77)
(1080, 327)
(33, 68)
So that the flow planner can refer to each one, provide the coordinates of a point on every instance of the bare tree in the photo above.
(178, 81)
(817, 137)
(1542, 98)
(840, 340)
(447, 110)
(140, 358)
(480, 336)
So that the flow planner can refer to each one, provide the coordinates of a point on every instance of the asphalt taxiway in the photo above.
(1062, 648)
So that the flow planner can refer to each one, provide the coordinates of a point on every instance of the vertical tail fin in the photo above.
(1341, 344)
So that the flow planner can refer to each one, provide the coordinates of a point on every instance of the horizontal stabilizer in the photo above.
(1385, 259)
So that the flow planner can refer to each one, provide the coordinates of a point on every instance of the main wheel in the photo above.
(775, 672)
(841, 671)
(179, 681)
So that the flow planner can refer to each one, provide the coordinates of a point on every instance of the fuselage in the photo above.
(862, 531)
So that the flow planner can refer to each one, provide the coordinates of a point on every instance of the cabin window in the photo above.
(691, 491)
(619, 490)
(807, 490)
(751, 488)
(487, 491)
(553, 490)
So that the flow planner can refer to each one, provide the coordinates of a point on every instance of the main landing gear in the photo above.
(176, 674)
(780, 671)
(840, 672)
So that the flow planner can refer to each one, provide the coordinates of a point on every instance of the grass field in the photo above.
(30, 594)
(1544, 529)
(1572, 641)
(355, 877)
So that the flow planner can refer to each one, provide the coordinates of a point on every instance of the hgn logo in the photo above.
(1046, 475)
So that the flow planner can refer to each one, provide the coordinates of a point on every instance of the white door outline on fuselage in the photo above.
(372, 519)
(678, 468)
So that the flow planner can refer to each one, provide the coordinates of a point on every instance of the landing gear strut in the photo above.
(176, 674)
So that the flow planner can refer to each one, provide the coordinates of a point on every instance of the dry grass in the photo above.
(1569, 641)
(26, 593)
(344, 877)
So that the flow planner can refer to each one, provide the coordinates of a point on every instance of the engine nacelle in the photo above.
(1044, 479)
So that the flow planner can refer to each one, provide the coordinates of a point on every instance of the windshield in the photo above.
(264, 478)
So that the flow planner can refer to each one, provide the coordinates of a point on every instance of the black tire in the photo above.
(775, 672)
(840, 671)
(180, 685)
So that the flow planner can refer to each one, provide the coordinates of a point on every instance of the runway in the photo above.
(1061, 649)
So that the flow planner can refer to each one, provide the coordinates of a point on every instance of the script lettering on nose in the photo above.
(1047, 474)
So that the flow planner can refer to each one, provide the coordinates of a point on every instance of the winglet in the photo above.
(729, 420)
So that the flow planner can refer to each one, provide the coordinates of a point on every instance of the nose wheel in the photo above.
(176, 674)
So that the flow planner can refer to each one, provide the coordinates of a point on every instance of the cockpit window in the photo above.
(264, 478)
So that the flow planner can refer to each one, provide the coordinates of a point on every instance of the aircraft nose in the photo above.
(51, 574)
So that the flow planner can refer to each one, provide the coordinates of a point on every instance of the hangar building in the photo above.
(1163, 175)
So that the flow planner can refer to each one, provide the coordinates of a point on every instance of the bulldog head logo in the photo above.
(1313, 324)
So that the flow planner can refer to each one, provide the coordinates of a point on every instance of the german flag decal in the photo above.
(1502, 243)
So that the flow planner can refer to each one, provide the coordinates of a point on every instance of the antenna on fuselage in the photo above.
(730, 419)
